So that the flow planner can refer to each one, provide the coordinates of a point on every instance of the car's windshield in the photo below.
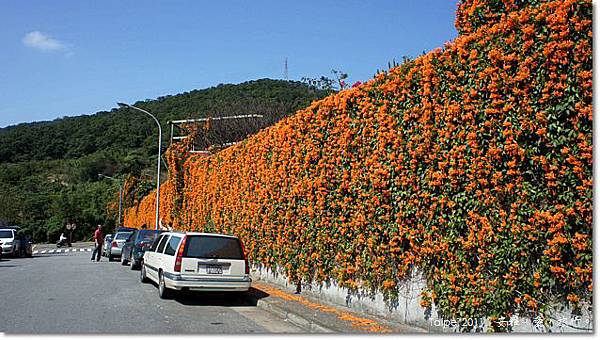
(6, 234)
(122, 236)
(147, 235)
(213, 247)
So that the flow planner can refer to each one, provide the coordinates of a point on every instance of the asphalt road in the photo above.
(67, 293)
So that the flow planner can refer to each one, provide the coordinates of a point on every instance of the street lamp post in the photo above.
(156, 222)
(120, 196)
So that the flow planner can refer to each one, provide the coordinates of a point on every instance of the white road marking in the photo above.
(65, 250)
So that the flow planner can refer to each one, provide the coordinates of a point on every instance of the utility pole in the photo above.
(286, 69)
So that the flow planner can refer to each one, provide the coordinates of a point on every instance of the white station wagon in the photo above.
(196, 261)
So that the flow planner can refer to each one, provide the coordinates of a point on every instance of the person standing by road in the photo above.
(98, 239)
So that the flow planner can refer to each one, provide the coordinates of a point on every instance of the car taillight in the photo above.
(179, 256)
(114, 244)
(247, 270)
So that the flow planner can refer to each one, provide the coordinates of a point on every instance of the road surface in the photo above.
(58, 293)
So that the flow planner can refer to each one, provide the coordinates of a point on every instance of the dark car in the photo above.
(125, 229)
(136, 245)
(25, 248)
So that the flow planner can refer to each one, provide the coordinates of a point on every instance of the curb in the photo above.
(296, 319)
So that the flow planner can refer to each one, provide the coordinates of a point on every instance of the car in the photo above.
(116, 245)
(196, 261)
(25, 245)
(10, 242)
(136, 246)
(106, 245)
(122, 228)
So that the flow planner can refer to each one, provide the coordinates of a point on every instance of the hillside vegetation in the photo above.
(471, 163)
(49, 170)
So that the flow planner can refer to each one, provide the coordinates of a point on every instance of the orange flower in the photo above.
(453, 163)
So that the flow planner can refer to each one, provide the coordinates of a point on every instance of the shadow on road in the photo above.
(224, 299)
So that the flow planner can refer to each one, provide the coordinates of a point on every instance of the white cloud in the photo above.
(40, 41)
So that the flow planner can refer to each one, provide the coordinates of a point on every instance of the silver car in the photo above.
(116, 246)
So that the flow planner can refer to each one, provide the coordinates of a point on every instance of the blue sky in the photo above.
(66, 58)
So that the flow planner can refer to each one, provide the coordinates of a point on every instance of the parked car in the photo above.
(137, 244)
(196, 261)
(0, 250)
(10, 244)
(25, 245)
(106, 245)
(116, 245)
(122, 228)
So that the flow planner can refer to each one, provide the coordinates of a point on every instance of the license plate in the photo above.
(211, 269)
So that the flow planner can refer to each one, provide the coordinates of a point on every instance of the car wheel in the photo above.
(123, 260)
(143, 277)
(163, 291)
(111, 258)
(132, 265)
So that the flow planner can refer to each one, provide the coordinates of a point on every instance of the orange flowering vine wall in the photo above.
(472, 163)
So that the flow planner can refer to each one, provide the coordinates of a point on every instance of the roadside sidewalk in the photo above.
(319, 317)
(47, 246)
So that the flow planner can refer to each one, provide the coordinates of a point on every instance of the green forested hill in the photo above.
(122, 129)
(49, 170)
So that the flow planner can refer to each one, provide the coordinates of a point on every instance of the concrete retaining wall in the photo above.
(408, 310)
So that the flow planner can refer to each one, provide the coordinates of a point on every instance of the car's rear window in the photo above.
(122, 236)
(6, 234)
(213, 247)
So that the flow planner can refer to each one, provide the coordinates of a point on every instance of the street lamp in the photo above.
(120, 195)
(157, 161)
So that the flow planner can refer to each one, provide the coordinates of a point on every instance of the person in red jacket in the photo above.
(98, 240)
